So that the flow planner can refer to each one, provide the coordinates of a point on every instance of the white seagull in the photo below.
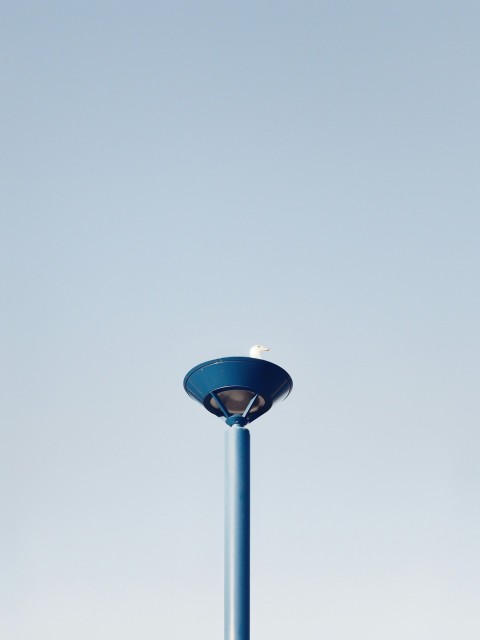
(257, 350)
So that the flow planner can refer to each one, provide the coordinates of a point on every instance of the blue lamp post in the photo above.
(239, 390)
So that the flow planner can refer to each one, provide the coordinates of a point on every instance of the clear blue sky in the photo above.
(179, 181)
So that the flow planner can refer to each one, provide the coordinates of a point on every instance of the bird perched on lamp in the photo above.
(257, 350)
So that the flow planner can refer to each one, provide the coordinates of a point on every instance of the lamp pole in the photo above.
(239, 390)
(237, 533)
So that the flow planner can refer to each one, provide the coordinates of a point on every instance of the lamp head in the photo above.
(236, 388)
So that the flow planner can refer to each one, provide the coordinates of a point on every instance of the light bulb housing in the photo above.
(238, 386)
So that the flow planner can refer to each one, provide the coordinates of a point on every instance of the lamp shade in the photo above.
(238, 386)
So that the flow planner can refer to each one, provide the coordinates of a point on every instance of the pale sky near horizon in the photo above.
(182, 180)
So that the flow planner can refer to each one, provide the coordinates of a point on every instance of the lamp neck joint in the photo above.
(238, 420)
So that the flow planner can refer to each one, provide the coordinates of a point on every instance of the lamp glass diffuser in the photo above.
(236, 401)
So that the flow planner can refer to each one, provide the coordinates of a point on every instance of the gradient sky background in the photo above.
(179, 181)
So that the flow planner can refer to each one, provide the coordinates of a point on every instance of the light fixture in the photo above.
(239, 390)
(238, 386)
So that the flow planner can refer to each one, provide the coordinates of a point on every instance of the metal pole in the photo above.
(237, 533)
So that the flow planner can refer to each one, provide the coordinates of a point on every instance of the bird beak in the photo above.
(265, 349)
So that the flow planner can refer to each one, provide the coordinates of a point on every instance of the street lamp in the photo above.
(239, 390)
